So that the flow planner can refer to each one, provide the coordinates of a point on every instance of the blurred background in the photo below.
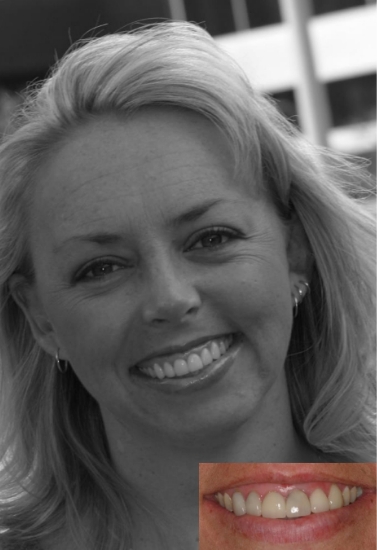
(317, 58)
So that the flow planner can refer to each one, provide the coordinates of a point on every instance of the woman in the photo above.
(184, 280)
(330, 506)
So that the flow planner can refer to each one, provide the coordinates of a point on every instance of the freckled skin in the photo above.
(360, 532)
(161, 287)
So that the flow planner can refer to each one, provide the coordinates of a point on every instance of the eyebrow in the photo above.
(105, 238)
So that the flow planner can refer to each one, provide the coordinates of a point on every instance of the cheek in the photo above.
(91, 331)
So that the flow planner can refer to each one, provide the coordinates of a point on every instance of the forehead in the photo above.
(156, 160)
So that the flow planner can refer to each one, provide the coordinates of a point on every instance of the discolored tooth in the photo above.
(222, 347)
(297, 504)
(228, 502)
(346, 496)
(194, 362)
(206, 357)
(239, 506)
(168, 370)
(359, 492)
(159, 371)
(335, 497)
(180, 367)
(273, 505)
(353, 493)
(220, 499)
(253, 504)
(319, 502)
(215, 351)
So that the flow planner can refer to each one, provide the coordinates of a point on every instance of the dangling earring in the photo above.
(301, 292)
(62, 366)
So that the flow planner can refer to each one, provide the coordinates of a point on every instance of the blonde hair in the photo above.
(58, 470)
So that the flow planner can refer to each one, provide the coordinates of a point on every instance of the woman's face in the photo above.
(149, 257)
(345, 526)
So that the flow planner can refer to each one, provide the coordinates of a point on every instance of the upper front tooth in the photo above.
(335, 497)
(239, 506)
(297, 504)
(180, 367)
(273, 505)
(353, 493)
(319, 502)
(215, 351)
(194, 362)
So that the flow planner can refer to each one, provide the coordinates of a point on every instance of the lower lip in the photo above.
(312, 528)
(203, 378)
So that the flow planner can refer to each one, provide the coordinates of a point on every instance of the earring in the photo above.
(62, 366)
(302, 290)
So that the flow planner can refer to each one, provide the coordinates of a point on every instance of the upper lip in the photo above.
(305, 473)
(180, 348)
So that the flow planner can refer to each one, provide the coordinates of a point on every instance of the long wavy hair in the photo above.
(57, 470)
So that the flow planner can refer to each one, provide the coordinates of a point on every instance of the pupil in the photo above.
(212, 240)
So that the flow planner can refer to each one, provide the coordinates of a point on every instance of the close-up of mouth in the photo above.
(303, 510)
(190, 366)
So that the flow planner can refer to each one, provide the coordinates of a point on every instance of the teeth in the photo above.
(319, 502)
(335, 498)
(180, 367)
(253, 504)
(346, 496)
(239, 505)
(194, 362)
(206, 357)
(228, 502)
(297, 504)
(215, 351)
(273, 505)
(168, 370)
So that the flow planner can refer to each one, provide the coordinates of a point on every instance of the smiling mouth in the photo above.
(281, 502)
(189, 363)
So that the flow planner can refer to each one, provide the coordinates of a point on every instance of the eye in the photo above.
(213, 238)
(98, 270)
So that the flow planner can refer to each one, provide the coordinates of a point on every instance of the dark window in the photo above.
(353, 100)
(325, 6)
(216, 15)
(263, 12)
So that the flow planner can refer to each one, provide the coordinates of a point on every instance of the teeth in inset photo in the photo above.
(253, 504)
(296, 504)
(273, 505)
(319, 502)
(228, 502)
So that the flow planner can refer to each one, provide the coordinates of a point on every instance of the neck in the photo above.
(162, 470)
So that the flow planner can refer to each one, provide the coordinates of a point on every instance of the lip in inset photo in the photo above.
(265, 506)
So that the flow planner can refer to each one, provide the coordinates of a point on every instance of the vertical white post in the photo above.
(312, 102)
(177, 10)
(240, 15)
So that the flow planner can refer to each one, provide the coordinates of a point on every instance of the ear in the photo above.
(300, 258)
(25, 295)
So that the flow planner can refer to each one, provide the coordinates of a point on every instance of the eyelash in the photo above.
(210, 232)
(214, 231)
(83, 273)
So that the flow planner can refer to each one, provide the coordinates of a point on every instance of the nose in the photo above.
(171, 296)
